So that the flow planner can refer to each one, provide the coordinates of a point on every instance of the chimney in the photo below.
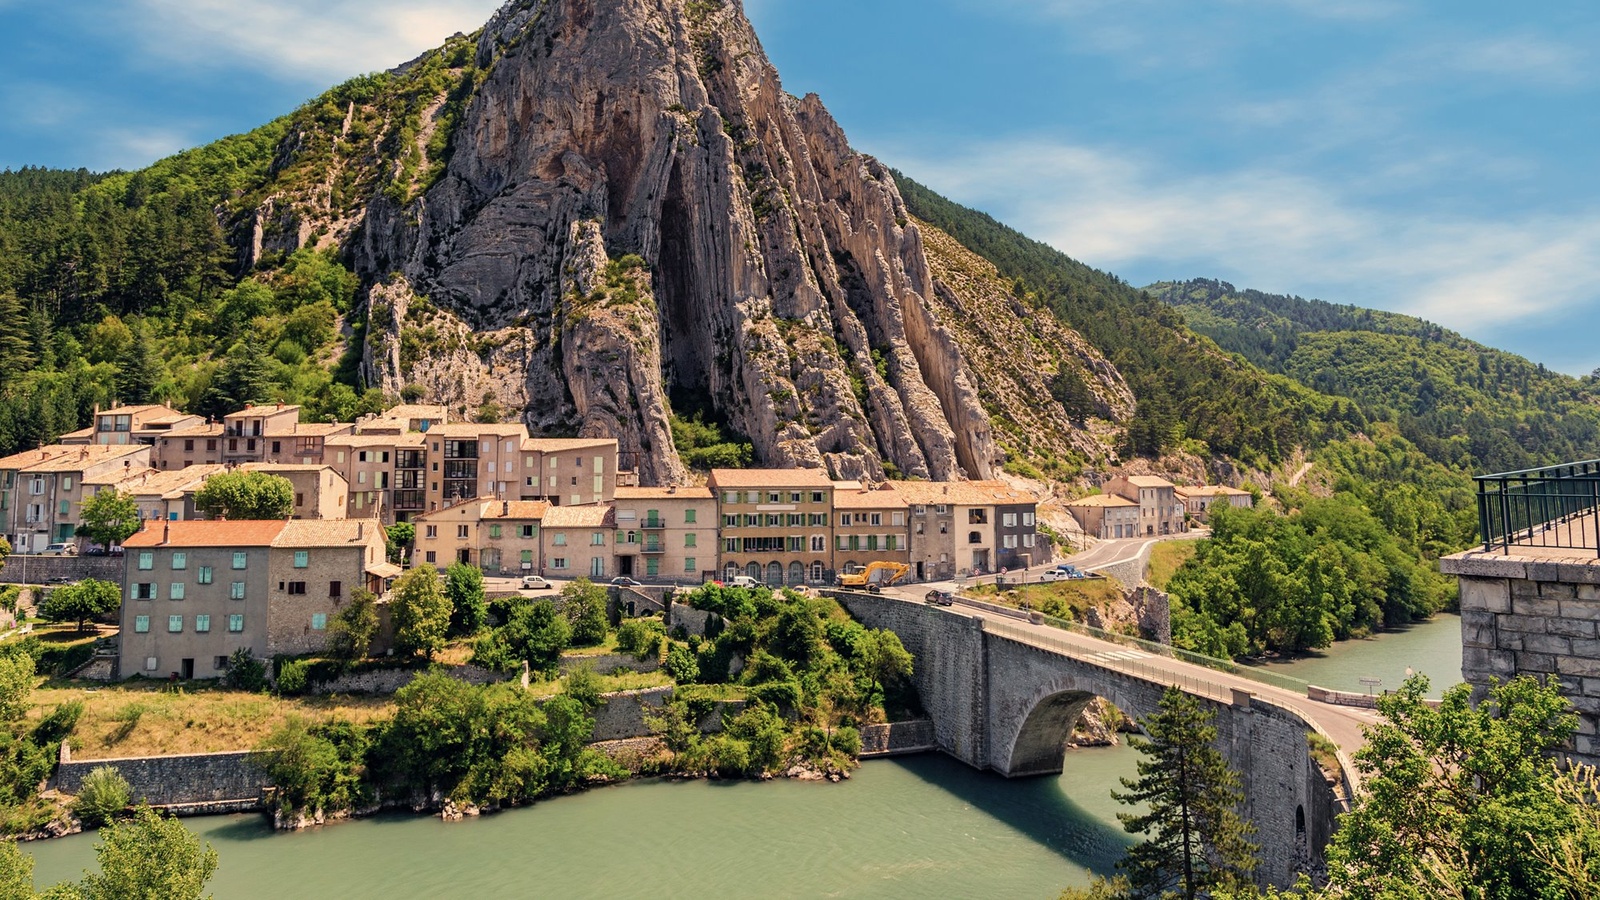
(166, 532)
(505, 509)
(361, 528)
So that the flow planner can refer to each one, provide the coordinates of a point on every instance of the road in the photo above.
(1342, 724)
(1116, 551)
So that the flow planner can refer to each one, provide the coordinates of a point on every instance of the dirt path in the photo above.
(1294, 479)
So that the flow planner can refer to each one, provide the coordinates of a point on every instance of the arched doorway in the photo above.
(729, 572)
(775, 574)
(797, 572)
(754, 571)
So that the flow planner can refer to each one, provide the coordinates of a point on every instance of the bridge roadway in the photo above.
(1341, 724)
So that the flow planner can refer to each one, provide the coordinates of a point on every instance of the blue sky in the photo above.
(1436, 158)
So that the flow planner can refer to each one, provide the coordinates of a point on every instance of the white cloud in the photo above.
(312, 40)
(1277, 231)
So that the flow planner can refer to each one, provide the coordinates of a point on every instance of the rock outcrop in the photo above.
(782, 283)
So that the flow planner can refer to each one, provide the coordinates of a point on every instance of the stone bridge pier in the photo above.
(1007, 706)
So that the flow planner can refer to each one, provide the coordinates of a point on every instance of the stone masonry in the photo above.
(1533, 617)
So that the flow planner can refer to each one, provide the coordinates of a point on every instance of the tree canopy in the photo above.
(109, 518)
(246, 495)
(82, 601)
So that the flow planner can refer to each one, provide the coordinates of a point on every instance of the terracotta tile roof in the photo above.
(474, 429)
(1100, 500)
(310, 429)
(865, 499)
(415, 411)
(1147, 481)
(328, 532)
(409, 439)
(195, 431)
(164, 481)
(200, 533)
(962, 493)
(80, 433)
(514, 509)
(262, 410)
(682, 492)
(170, 420)
(580, 517)
(284, 467)
(774, 478)
(1210, 490)
(84, 455)
(34, 457)
(563, 445)
(139, 410)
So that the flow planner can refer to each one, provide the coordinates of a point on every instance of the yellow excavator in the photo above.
(874, 576)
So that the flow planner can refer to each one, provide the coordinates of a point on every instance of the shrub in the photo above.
(846, 740)
(682, 665)
(245, 672)
(641, 637)
(293, 677)
(59, 723)
(103, 796)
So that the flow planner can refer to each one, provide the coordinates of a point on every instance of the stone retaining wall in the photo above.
(897, 738)
(387, 681)
(691, 620)
(206, 778)
(48, 569)
(607, 663)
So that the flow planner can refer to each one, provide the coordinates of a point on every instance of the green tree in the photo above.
(884, 660)
(682, 664)
(16, 873)
(534, 632)
(584, 604)
(399, 538)
(15, 347)
(351, 632)
(139, 368)
(244, 378)
(468, 609)
(80, 602)
(1458, 800)
(1194, 839)
(16, 684)
(109, 517)
(246, 495)
(150, 858)
(102, 796)
(421, 612)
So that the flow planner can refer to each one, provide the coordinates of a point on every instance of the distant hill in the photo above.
(1463, 404)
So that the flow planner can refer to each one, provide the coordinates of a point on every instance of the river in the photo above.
(918, 826)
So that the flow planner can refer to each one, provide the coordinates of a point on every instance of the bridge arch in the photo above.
(1034, 742)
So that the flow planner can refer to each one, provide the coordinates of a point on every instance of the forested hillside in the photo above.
(1465, 405)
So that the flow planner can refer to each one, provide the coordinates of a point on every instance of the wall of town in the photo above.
(167, 780)
(898, 738)
(51, 569)
(387, 681)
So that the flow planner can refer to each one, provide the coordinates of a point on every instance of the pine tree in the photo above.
(139, 369)
(1194, 838)
(16, 344)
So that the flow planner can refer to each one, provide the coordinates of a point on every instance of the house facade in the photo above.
(869, 526)
(1160, 510)
(776, 524)
(1106, 516)
(1198, 500)
(42, 491)
(666, 533)
(578, 542)
(959, 528)
(501, 537)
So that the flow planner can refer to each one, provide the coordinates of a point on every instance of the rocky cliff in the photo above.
(603, 212)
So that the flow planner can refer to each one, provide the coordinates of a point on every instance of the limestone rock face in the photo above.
(779, 281)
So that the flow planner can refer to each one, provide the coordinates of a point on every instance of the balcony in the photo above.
(1553, 508)
(654, 548)
(654, 523)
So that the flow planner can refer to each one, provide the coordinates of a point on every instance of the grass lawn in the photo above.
(1062, 599)
(1165, 558)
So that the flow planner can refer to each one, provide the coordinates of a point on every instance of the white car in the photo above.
(742, 581)
(535, 583)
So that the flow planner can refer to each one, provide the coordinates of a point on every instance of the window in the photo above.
(560, 540)
(180, 560)
(819, 543)
(597, 568)
(528, 531)
(941, 510)
(597, 539)
(840, 542)
(494, 531)
(560, 562)
(652, 566)
(526, 558)
(1008, 520)
(141, 624)
(1027, 519)
(462, 531)
(730, 545)
(202, 624)
(66, 482)
(897, 519)
(1027, 540)
(176, 591)
(844, 520)
(236, 623)
(432, 531)
(727, 496)
(689, 566)
(297, 587)
(430, 556)
(302, 559)
(240, 558)
(774, 521)
(319, 621)
(144, 590)
(816, 496)
(688, 517)
(236, 591)
(730, 521)
(205, 575)
(147, 560)
(689, 539)
(174, 624)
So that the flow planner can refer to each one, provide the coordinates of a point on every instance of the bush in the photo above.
(293, 677)
(245, 672)
(846, 740)
(641, 637)
(682, 665)
(102, 797)
(59, 723)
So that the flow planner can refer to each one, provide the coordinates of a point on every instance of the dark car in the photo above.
(624, 581)
(937, 597)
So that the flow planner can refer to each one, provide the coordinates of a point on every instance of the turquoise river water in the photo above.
(923, 826)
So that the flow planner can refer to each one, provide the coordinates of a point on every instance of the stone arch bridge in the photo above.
(1004, 696)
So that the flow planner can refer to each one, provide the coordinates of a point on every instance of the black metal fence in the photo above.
(1557, 507)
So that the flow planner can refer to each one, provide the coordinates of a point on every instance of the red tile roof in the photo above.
(194, 533)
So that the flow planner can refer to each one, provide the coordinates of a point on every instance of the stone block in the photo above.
(1589, 705)
(1478, 636)
(1524, 624)
(1547, 643)
(1524, 589)
(1586, 648)
(1479, 564)
(1586, 725)
(1587, 575)
(1489, 595)
(1589, 592)
(1581, 609)
(1571, 665)
(1589, 686)
(1535, 606)
(1555, 590)
(1499, 662)
(1571, 684)
(1543, 571)
(1576, 628)
(1535, 663)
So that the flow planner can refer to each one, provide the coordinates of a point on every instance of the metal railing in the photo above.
(1131, 664)
(1556, 506)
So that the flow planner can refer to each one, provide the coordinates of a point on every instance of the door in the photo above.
(625, 566)
(187, 669)
(464, 555)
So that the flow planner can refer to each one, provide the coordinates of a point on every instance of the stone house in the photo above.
(959, 527)
(168, 495)
(869, 526)
(570, 471)
(42, 491)
(1198, 499)
(383, 471)
(666, 533)
(196, 591)
(195, 445)
(320, 492)
(501, 537)
(247, 432)
(776, 524)
(1106, 516)
(1160, 510)
(142, 424)
(577, 542)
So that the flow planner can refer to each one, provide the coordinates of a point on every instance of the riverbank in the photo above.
(1432, 648)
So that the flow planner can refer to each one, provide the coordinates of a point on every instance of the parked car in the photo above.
(535, 583)
(624, 581)
(61, 550)
(744, 581)
(937, 597)
(1061, 573)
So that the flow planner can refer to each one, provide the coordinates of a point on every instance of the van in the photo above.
(61, 550)
(744, 581)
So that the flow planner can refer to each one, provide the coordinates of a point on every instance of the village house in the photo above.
(195, 592)
(319, 490)
(576, 542)
(776, 524)
(666, 533)
(1160, 510)
(970, 527)
(193, 445)
(570, 471)
(42, 491)
(501, 537)
(168, 495)
(1198, 500)
(1105, 516)
(131, 425)
(869, 525)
